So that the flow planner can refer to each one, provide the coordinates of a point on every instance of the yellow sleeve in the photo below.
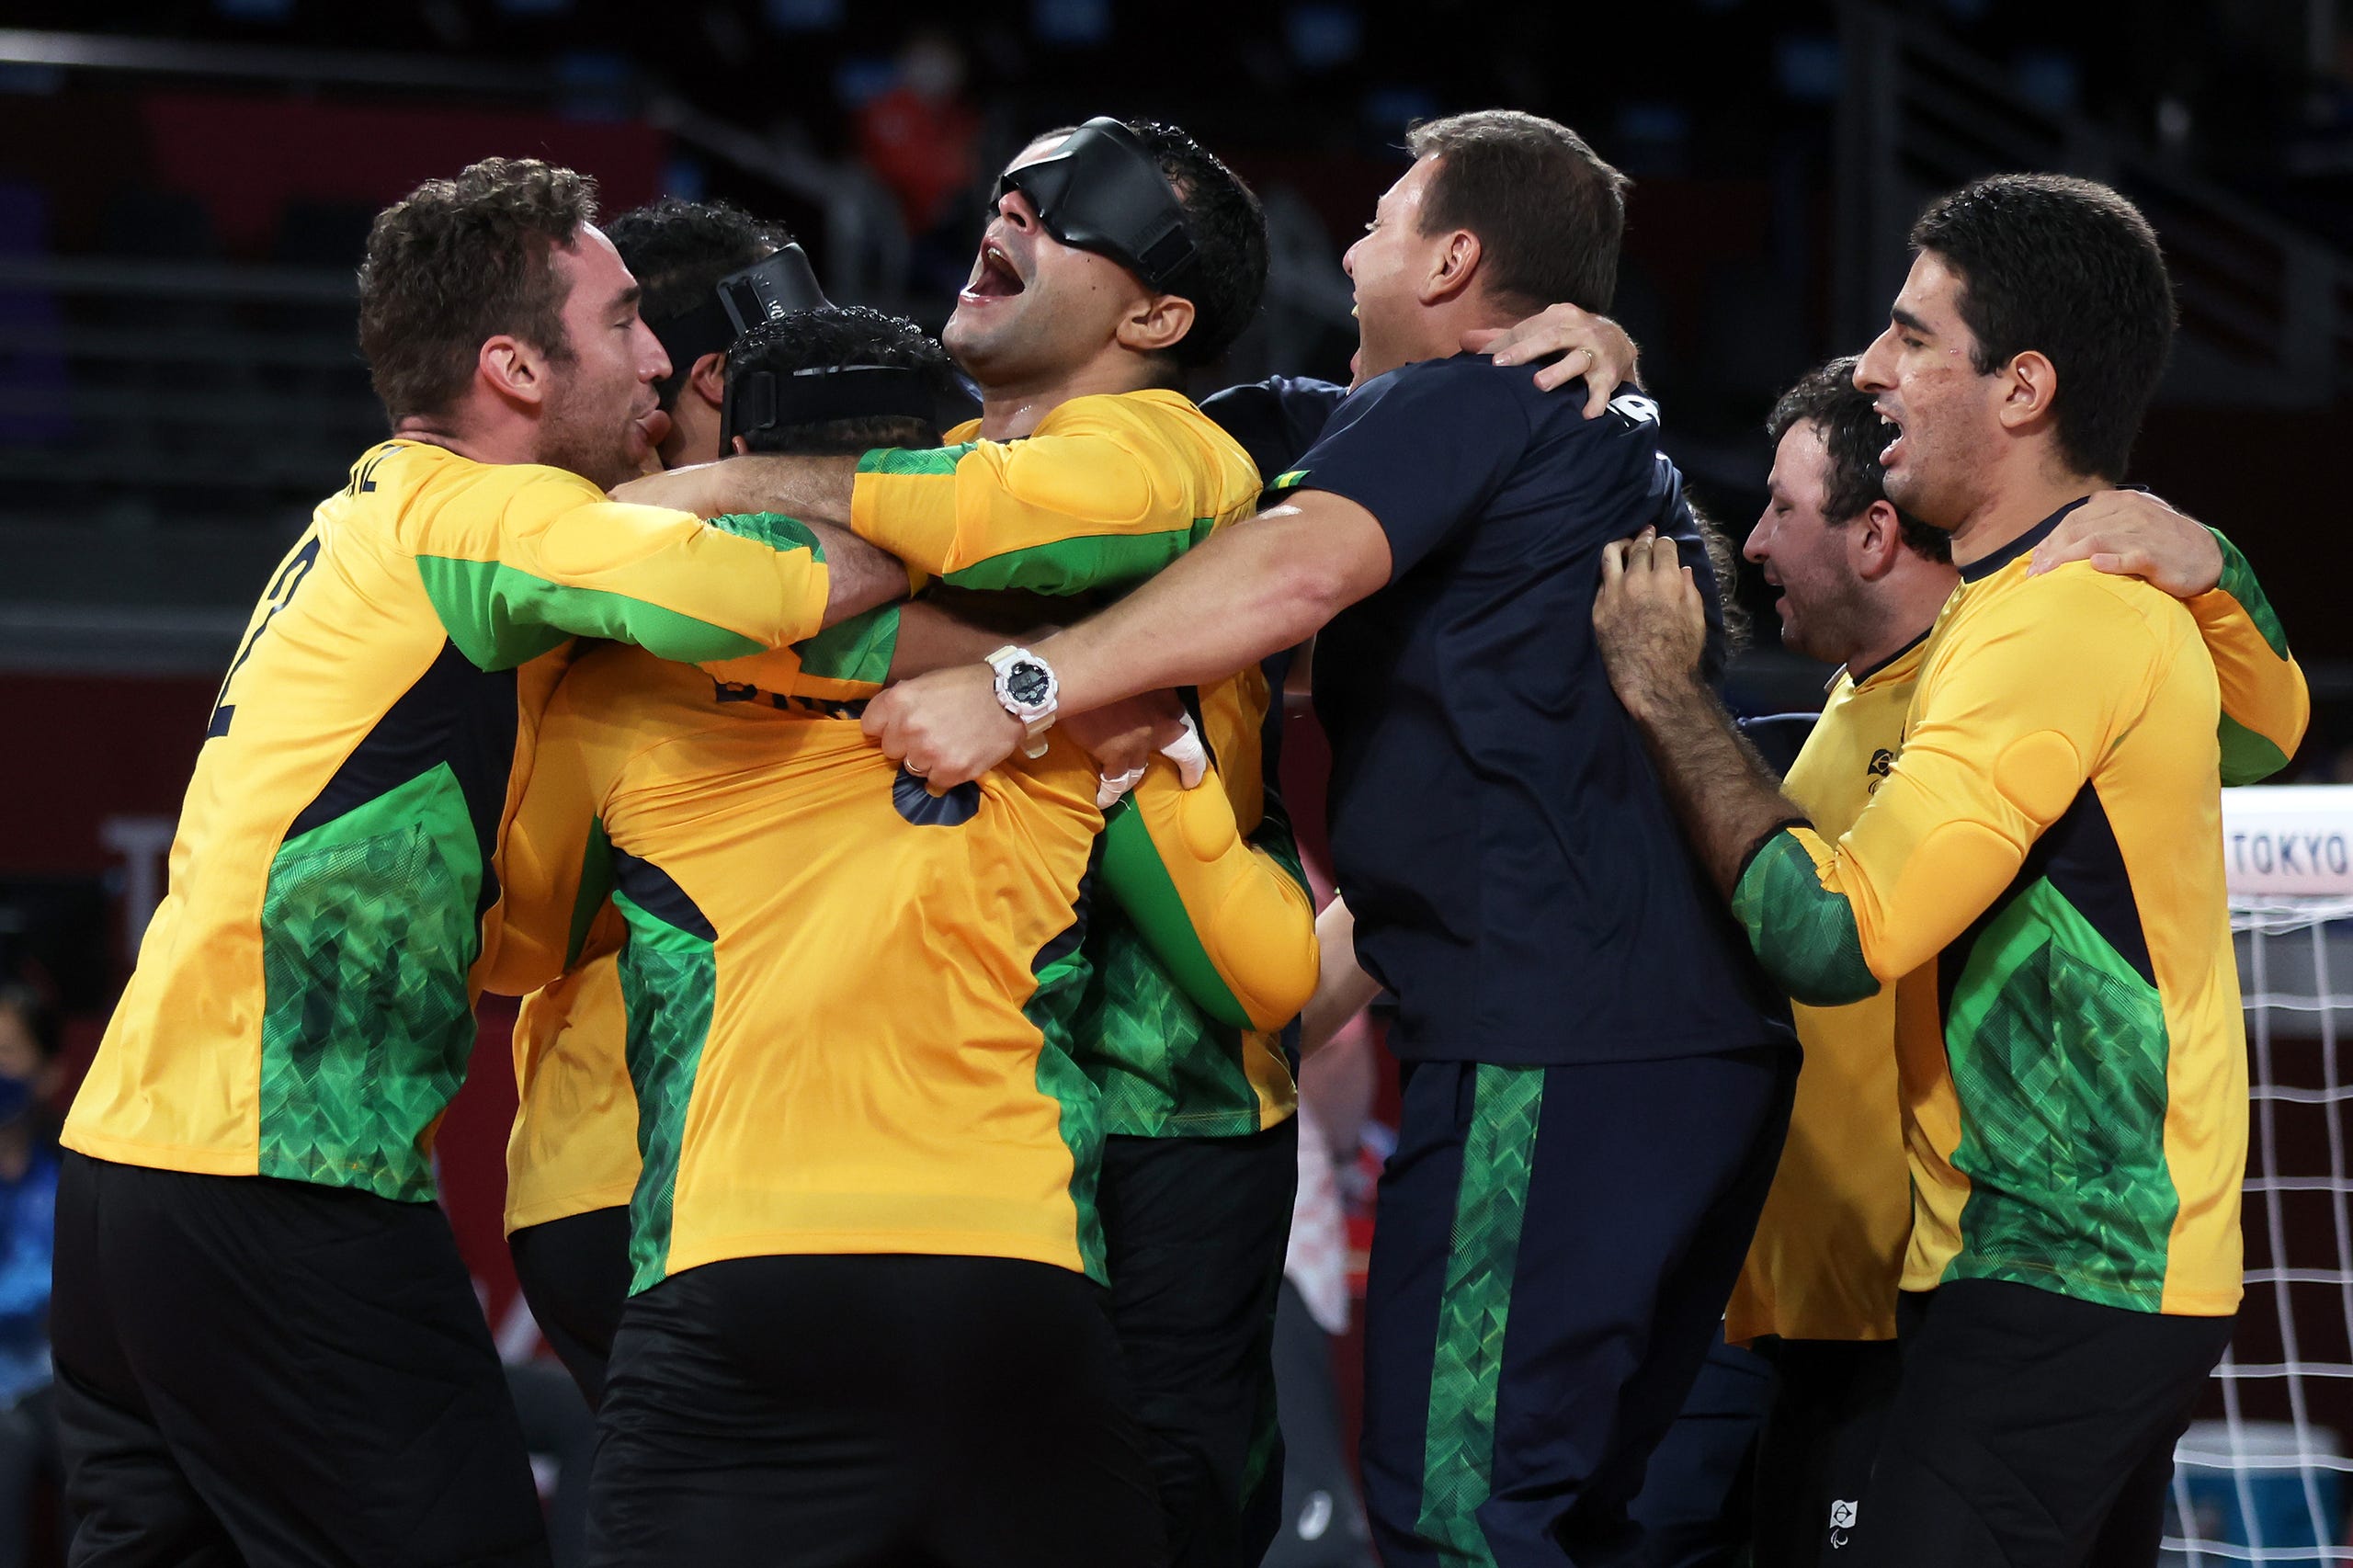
(1995, 753)
(847, 661)
(2266, 703)
(1096, 499)
(518, 558)
(1229, 919)
(555, 864)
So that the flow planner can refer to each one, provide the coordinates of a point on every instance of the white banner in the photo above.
(2288, 838)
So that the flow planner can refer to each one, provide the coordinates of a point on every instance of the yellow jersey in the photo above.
(847, 1001)
(574, 1147)
(1105, 491)
(1108, 490)
(302, 1002)
(2076, 1121)
(1830, 1246)
(1168, 1064)
(1830, 1242)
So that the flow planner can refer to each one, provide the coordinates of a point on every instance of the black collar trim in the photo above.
(1859, 676)
(1978, 570)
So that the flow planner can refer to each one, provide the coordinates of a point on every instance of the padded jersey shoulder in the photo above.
(2074, 604)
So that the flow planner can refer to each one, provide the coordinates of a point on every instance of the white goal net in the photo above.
(2261, 1477)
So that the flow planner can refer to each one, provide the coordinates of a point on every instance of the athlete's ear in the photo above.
(2029, 387)
(1452, 266)
(709, 379)
(1873, 540)
(742, 446)
(512, 368)
(1157, 324)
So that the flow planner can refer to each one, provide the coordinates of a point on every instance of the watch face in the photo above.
(1027, 683)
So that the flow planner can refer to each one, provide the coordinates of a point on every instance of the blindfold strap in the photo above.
(775, 284)
(763, 400)
(1168, 260)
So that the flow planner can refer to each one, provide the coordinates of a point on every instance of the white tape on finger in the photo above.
(1111, 786)
(1192, 759)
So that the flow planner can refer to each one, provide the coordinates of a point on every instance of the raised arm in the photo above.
(516, 561)
(852, 661)
(1409, 460)
(1254, 589)
(1103, 496)
(1994, 756)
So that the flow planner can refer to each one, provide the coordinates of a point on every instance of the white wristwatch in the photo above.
(1028, 689)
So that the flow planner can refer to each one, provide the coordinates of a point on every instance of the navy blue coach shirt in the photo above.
(1517, 875)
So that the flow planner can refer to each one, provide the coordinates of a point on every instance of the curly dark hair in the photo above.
(679, 250)
(1229, 233)
(837, 335)
(2069, 269)
(1826, 398)
(1548, 213)
(457, 261)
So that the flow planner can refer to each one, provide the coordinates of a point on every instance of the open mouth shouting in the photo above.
(994, 276)
(1891, 428)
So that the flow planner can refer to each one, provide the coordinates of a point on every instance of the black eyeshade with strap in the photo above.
(764, 400)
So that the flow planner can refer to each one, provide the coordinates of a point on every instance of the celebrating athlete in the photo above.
(266, 1347)
(1860, 583)
(2048, 840)
(1501, 841)
(1141, 443)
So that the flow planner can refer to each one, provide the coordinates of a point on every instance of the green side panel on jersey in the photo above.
(1164, 1067)
(1075, 566)
(1136, 875)
(774, 530)
(501, 618)
(596, 887)
(858, 649)
(2239, 581)
(669, 981)
(2247, 758)
(368, 931)
(914, 459)
(1474, 1311)
(2058, 1051)
(1061, 983)
(1802, 933)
